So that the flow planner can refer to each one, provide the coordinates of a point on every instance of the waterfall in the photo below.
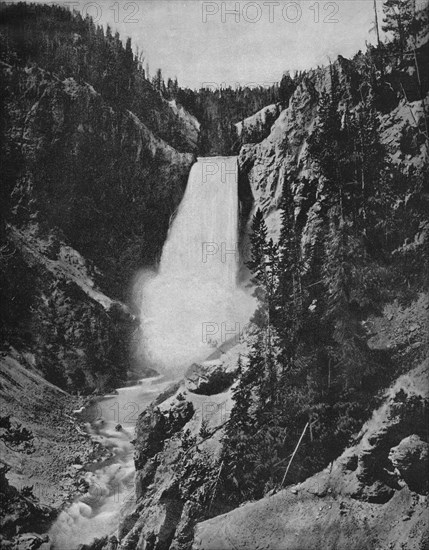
(193, 303)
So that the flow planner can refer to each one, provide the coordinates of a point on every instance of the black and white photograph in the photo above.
(214, 275)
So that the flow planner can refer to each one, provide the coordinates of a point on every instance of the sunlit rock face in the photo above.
(194, 302)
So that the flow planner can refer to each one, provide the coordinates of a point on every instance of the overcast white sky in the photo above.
(200, 41)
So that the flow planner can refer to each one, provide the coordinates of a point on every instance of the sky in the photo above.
(237, 42)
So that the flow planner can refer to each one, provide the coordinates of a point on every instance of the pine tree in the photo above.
(401, 20)
(344, 253)
(265, 268)
(158, 81)
(249, 447)
(258, 238)
(264, 257)
(326, 144)
(286, 89)
(289, 298)
(369, 157)
(239, 433)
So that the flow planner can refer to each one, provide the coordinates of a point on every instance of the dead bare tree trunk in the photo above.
(376, 23)
(294, 453)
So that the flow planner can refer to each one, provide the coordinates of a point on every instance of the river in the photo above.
(111, 482)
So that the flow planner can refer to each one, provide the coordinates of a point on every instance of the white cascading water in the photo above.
(194, 303)
(111, 481)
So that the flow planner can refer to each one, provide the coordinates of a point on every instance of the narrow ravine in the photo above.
(111, 482)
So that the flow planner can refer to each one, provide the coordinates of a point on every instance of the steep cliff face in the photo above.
(265, 164)
(89, 194)
(99, 176)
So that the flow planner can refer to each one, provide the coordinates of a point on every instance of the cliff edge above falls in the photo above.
(266, 161)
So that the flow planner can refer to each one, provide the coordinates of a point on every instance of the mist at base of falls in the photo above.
(193, 303)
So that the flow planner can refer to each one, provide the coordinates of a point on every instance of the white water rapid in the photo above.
(194, 302)
(111, 482)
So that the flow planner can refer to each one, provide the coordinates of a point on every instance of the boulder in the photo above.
(411, 460)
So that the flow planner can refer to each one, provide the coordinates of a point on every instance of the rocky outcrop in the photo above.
(257, 127)
(63, 263)
(20, 511)
(266, 164)
(177, 438)
(150, 435)
(411, 460)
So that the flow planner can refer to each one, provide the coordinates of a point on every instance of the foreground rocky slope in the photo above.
(43, 448)
(373, 496)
